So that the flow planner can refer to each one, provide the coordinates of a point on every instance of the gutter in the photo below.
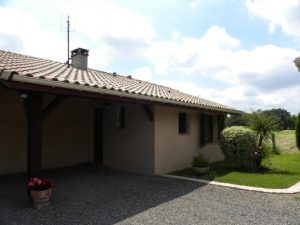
(11, 76)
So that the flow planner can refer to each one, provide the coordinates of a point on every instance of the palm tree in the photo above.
(264, 125)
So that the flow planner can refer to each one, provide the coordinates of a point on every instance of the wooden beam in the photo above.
(149, 112)
(34, 134)
(51, 106)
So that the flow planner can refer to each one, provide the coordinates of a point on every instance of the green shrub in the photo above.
(297, 131)
(239, 147)
(199, 161)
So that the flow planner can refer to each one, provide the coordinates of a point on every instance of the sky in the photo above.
(236, 52)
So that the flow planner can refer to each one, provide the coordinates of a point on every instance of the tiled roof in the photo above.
(48, 72)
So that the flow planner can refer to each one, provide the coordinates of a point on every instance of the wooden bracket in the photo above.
(149, 112)
(51, 106)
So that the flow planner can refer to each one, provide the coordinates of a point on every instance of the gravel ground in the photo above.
(90, 195)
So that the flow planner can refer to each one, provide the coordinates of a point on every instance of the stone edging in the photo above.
(291, 190)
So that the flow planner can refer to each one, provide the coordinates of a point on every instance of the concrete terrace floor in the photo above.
(91, 195)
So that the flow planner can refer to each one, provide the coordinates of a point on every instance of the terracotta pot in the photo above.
(200, 170)
(40, 199)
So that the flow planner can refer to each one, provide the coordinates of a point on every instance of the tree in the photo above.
(297, 131)
(264, 124)
(238, 120)
(284, 116)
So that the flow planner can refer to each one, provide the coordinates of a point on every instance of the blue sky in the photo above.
(236, 52)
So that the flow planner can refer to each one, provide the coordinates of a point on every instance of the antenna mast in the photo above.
(68, 32)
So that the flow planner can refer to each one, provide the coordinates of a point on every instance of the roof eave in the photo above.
(14, 76)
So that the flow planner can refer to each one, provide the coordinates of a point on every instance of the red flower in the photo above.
(36, 183)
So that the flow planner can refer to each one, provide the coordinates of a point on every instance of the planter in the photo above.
(40, 199)
(200, 170)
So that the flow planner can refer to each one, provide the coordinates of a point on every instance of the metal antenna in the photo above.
(68, 32)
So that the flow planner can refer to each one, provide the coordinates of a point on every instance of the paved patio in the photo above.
(91, 195)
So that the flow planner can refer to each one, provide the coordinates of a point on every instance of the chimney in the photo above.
(79, 58)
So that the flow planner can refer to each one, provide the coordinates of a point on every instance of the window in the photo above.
(120, 120)
(209, 129)
(183, 123)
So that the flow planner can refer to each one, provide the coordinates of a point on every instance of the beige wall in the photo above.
(66, 138)
(12, 133)
(68, 134)
(130, 149)
(174, 151)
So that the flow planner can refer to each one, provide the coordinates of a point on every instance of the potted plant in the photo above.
(40, 191)
(200, 165)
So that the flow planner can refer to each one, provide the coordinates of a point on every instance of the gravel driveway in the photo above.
(90, 195)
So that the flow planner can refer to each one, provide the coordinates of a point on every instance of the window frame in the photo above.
(120, 117)
(209, 128)
(183, 123)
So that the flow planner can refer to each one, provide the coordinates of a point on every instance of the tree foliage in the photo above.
(287, 121)
(264, 125)
(285, 117)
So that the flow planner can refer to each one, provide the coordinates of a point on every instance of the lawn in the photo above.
(285, 142)
(283, 170)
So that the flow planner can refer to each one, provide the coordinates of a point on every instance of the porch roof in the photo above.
(43, 72)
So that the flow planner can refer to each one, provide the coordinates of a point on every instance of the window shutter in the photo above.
(202, 129)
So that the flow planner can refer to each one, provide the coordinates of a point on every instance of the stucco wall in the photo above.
(129, 149)
(12, 133)
(68, 134)
(174, 151)
(66, 137)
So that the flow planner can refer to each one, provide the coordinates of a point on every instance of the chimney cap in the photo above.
(80, 51)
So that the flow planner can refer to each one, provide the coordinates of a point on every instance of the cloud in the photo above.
(220, 56)
(260, 77)
(106, 29)
(143, 73)
(242, 97)
(280, 13)
(185, 54)
(195, 4)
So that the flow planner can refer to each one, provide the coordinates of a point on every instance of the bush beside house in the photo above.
(239, 147)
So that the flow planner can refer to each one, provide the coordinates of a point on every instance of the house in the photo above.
(55, 115)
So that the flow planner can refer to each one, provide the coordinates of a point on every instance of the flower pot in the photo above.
(40, 199)
(200, 170)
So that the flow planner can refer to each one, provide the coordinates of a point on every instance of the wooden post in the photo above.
(34, 108)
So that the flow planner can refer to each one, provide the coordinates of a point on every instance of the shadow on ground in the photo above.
(88, 195)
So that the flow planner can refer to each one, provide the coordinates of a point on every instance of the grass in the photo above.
(285, 142)
(283, 170)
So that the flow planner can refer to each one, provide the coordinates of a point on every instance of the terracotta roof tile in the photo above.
(59, 72)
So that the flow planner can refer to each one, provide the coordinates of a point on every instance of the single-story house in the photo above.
(59, 114)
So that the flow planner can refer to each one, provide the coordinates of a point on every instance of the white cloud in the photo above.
(258, 78)
(195, 4)
(186, 54)
(106, 29)
(279, 13)
(143, 73)
(220, 56)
